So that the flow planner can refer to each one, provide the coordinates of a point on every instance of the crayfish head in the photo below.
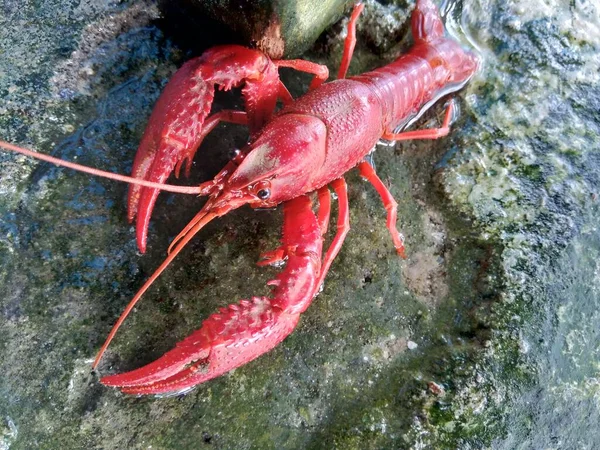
(279, 165)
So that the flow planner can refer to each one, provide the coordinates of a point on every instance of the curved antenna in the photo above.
(197, 190)
(208, 216)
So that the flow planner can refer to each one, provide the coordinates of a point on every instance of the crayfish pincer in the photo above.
(305, 147)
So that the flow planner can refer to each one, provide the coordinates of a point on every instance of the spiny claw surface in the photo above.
(174, 131)
(241, 332)
(229, 339)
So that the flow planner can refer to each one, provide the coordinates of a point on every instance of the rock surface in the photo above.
(487, 335)
(277, 27)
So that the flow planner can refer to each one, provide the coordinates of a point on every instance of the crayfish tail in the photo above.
(427, 26)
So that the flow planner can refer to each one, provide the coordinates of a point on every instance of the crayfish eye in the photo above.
(263, 194)
(262, 189)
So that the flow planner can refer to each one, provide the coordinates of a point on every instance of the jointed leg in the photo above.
(271, 257)
(367, 171)
(284, 94)
(278, 255)
(431, 133)
(320, 71)
(324, 197)
(343, 226)
(227, 115)
(230, 116)
(350, 41)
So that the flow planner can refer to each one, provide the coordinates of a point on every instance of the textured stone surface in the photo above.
(279, 28)
(485, 335)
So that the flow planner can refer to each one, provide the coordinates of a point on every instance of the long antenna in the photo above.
(101, 173)
(198, 225)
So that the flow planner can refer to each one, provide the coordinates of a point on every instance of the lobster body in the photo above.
(349, 116)
(306, 146)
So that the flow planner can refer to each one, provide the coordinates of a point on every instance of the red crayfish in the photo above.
(305, 147)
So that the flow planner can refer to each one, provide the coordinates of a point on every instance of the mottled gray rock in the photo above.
(499, 293)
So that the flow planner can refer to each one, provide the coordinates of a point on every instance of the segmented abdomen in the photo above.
(411, 81)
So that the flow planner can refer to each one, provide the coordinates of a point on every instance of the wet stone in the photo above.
(279, 28)
(486, 336)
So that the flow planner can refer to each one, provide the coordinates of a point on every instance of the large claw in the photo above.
(229, 339)
(174, 131)
(242, 332)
